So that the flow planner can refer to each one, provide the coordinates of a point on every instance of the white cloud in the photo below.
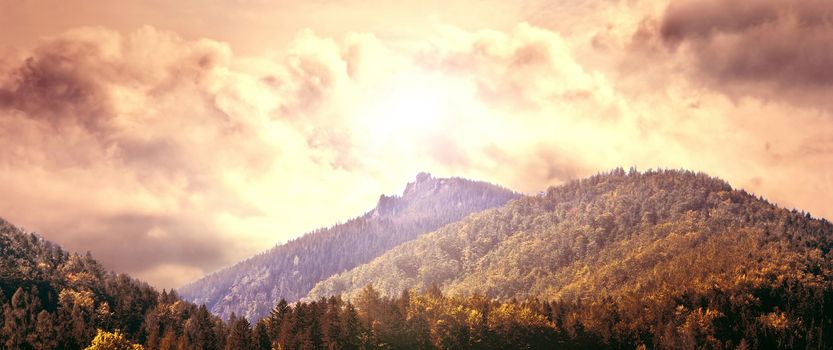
(199, 156)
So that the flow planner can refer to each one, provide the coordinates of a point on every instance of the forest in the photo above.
(290, 270)
(621, 260)
(431, 320)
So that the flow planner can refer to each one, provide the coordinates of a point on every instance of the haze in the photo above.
(173, 138)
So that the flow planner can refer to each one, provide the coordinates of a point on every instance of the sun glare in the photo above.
(406, 105)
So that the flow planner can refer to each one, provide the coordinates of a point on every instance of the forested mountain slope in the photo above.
(252, 287)
(51, 299)
(640, 256)
(664, 260)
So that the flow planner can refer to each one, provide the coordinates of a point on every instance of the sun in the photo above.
(418, 113)
(407, 105)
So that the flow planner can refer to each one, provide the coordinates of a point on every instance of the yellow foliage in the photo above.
(112, 341)
(775, 320)
(83, 298)
(511, 314)
(80, 278)
(474, 318)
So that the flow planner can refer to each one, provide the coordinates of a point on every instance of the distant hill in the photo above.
(52, 299)
(639, 255)
(620, 260)
(252, 287)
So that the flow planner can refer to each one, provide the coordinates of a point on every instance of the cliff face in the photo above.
(251, 288)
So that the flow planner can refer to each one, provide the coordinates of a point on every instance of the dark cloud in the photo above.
(135, 242)
(556, 166)
(168, 157)
(785, 44)
(315, 79)
(544, 166)
(55, 86)
(112, 132)
(7, 98)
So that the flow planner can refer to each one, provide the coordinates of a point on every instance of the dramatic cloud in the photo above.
(764, 47)
(170, 153)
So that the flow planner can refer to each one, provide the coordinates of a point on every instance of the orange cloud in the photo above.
(199, 154)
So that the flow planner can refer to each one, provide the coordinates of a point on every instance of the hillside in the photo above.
(662, 260)
(52, 299)
(640, 257)
(252, 287)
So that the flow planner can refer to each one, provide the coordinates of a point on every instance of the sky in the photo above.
(172, 138)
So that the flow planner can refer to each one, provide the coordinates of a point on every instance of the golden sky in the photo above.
(171, 138)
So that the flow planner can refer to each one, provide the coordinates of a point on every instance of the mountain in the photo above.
(639, 256)
(252, 287)
(53, 299)
(620, 260)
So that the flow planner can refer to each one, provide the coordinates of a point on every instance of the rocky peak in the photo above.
(423, 181)
(388, 205)
(423, 177)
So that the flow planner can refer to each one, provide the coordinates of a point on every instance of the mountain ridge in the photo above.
(251, 287)
(464, 259)
(662, 259)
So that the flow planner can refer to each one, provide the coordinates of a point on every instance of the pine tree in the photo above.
(331, 324)
(153, 329)
(168, 341)
(276, 318)
(261, 336)
(45, 336)
(369, 304)
(301, 335)
(314, 325)
(352, 338)
(200, 331)
(240, 335)
(20, 318)
(288, 331)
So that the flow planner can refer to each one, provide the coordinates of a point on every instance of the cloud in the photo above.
(106, 136)
(159, 238)
(761, 47)
(198, 155)
(50, 87)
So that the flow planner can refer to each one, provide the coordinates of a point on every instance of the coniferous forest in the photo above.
(621, 260)
(291, 270)
(257, 174)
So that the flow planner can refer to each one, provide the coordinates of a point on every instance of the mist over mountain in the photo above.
(252, 287)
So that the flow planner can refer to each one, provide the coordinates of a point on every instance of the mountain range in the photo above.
(252, 287)
(610, 235)
(662, 259)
